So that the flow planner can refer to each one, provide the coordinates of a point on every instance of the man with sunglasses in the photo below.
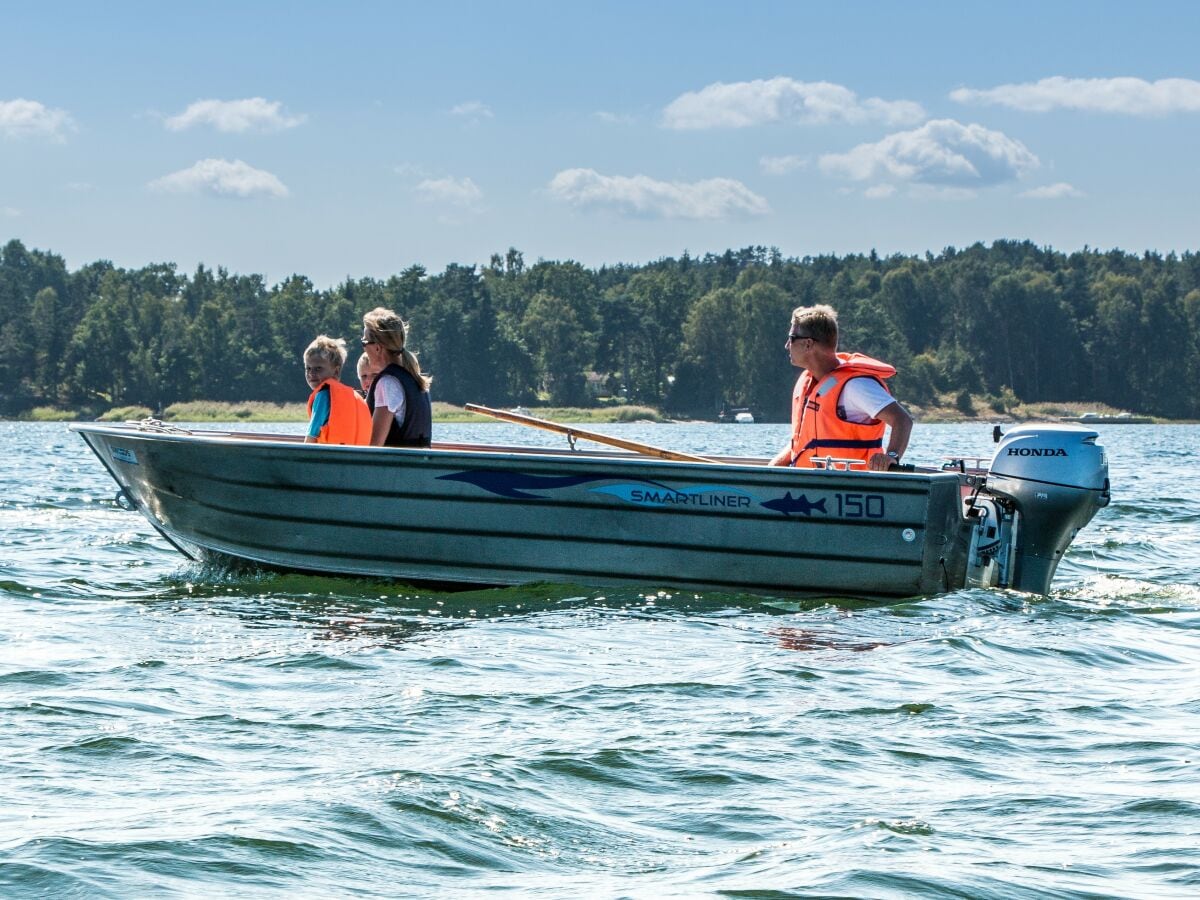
(840, 406)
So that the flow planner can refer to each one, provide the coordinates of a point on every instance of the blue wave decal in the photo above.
(787, 504)
(648, 493)
(517, 484)
(642, 492)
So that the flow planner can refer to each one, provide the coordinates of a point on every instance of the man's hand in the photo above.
(879, 462)
(897, 418)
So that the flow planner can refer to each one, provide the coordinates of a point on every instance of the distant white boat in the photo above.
(744, 418)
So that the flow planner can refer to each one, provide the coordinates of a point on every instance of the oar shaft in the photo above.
(598, 438)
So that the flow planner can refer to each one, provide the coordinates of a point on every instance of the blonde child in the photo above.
(337, 415)
(366, 373)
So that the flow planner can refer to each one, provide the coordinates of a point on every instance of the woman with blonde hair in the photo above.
(401, 414)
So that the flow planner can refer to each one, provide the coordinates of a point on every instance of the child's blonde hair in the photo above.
(330, 349)
(364, 366)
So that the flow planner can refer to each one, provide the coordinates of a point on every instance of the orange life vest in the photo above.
(349, 421)
(817, 428)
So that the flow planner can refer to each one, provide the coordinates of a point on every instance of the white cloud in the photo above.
(879, 191)
(252, 114)
(745, 103)
(940, 192)
(222, 178)
(410, 170)
(456, 200)
(1058, 191)
(473, 110)
(459, 192)
(942, 153)
(611, 118)
(782, 165)
(1128, 96)
(9, 212)
(27, 118)
(713, 198)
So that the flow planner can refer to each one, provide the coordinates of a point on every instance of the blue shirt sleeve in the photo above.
(320, 413)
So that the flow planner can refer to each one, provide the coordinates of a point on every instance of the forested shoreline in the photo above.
(688, 335)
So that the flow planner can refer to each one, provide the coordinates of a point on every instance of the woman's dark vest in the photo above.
(417, 427)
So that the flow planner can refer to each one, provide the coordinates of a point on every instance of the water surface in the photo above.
(176, 731)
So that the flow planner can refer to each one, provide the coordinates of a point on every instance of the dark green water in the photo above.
(174, 731)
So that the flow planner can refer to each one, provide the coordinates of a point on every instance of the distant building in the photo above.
(596, 384)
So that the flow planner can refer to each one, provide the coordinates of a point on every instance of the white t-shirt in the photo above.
(862, 398)
(389, 394)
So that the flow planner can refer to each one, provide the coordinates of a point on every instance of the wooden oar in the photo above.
(572, 433)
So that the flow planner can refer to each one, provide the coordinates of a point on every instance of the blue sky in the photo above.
(360, 138)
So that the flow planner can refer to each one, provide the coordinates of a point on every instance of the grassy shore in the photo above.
(204, 411)
(987, 409)
(947, 410)
(446, 412)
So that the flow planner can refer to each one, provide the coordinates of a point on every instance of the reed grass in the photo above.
(986, 409)
(250, 411)
(599, 414)
(125, 414)
(257, 411)
(51, 414)
(447, 412)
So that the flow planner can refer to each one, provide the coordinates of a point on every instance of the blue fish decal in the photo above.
(787, 504)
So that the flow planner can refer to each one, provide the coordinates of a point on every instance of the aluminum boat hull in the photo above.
(480, 515)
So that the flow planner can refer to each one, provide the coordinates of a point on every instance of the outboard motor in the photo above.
(1055, 478)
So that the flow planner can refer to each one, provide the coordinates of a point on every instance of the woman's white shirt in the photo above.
(389, 394)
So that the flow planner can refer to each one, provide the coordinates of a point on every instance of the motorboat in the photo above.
(739, 415)
(464, 514)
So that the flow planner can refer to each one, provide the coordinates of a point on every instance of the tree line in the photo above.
(690, 335)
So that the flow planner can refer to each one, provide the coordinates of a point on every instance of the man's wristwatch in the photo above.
(894, 455)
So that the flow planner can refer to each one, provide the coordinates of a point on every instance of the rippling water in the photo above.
(175, 731)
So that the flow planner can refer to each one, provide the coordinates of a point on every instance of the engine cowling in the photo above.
(1056, 476)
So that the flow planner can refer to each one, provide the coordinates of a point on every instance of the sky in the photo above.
(357, 139)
